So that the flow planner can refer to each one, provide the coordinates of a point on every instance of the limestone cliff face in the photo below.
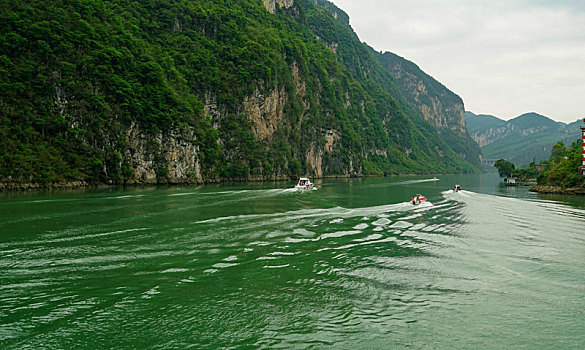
(413, 88)
(437, 104)
(273, 5)
(265, 111)
(490, 135)
(337, 13)
(170, 157)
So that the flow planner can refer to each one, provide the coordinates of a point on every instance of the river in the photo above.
(350, 265)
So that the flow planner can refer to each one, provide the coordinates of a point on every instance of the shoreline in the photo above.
(549, 189)
(14, 186)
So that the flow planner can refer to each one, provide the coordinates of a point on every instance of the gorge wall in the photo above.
(191, 92)
(438, 105)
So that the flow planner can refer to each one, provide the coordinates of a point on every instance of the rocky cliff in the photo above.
(437, 104)
(273, 5)
(417, 92)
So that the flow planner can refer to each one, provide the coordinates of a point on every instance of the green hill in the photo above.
(526, 138)
(194, 91)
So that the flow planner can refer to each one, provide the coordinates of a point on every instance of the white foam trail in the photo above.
(128, 196)
(73, 238)
(407, 182)
(173, 270)
(224, 265)
(336, 212)
(276, 266)
(182, 194)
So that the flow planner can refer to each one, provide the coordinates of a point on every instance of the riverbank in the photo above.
(15, 186)
(548, 189)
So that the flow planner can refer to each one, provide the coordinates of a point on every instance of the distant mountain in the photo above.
(521, 140)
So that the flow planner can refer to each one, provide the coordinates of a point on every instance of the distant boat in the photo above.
(510, 181)
(304, 184)
(456, 188)
(418, 199)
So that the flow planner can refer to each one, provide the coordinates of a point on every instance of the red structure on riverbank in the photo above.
(582, 167)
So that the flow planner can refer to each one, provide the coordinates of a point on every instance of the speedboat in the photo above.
(418, 199)
(456, 188)
(304, 184)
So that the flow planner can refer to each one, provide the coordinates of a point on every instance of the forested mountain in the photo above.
(193, 91)
(526, 138)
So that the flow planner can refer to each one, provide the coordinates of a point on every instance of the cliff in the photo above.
(190, 92)
(437, 104)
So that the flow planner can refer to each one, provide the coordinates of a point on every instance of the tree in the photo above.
(504, 167)
(558, 151)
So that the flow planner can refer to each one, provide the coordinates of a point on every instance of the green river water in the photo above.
(351, 265)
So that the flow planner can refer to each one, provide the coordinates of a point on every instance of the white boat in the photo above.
(304, 184)
(510, 181)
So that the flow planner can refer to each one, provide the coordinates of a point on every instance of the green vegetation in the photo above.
(529, 173)
(76, 76)
(562, 170)
(504, 167)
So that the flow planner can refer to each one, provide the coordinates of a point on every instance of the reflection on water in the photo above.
(352, 264)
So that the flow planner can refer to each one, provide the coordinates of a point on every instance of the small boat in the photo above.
(304, 184)
(418, 199)
(510, 181)
(456, 188)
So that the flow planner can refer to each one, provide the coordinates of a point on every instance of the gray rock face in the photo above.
(437, 104)
(272, 5)
(170, 157)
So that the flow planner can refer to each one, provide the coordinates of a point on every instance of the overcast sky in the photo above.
(503, 57)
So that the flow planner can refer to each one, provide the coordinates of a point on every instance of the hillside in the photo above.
(561, 172)
(526, 138)
(183, 91)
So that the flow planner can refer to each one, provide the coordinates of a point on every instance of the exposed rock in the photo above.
(7, 185)
(314, 158)
(337, 13)
(488, 136)
(300, 86)
(211, 110)
(437, 104)
(272, 5)
(163, 157)
(265, 111)
(331, 136)
(547, 189)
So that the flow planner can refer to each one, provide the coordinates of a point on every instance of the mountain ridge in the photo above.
(191, 92)
(521, 140)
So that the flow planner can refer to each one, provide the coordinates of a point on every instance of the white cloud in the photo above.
(502, 57)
